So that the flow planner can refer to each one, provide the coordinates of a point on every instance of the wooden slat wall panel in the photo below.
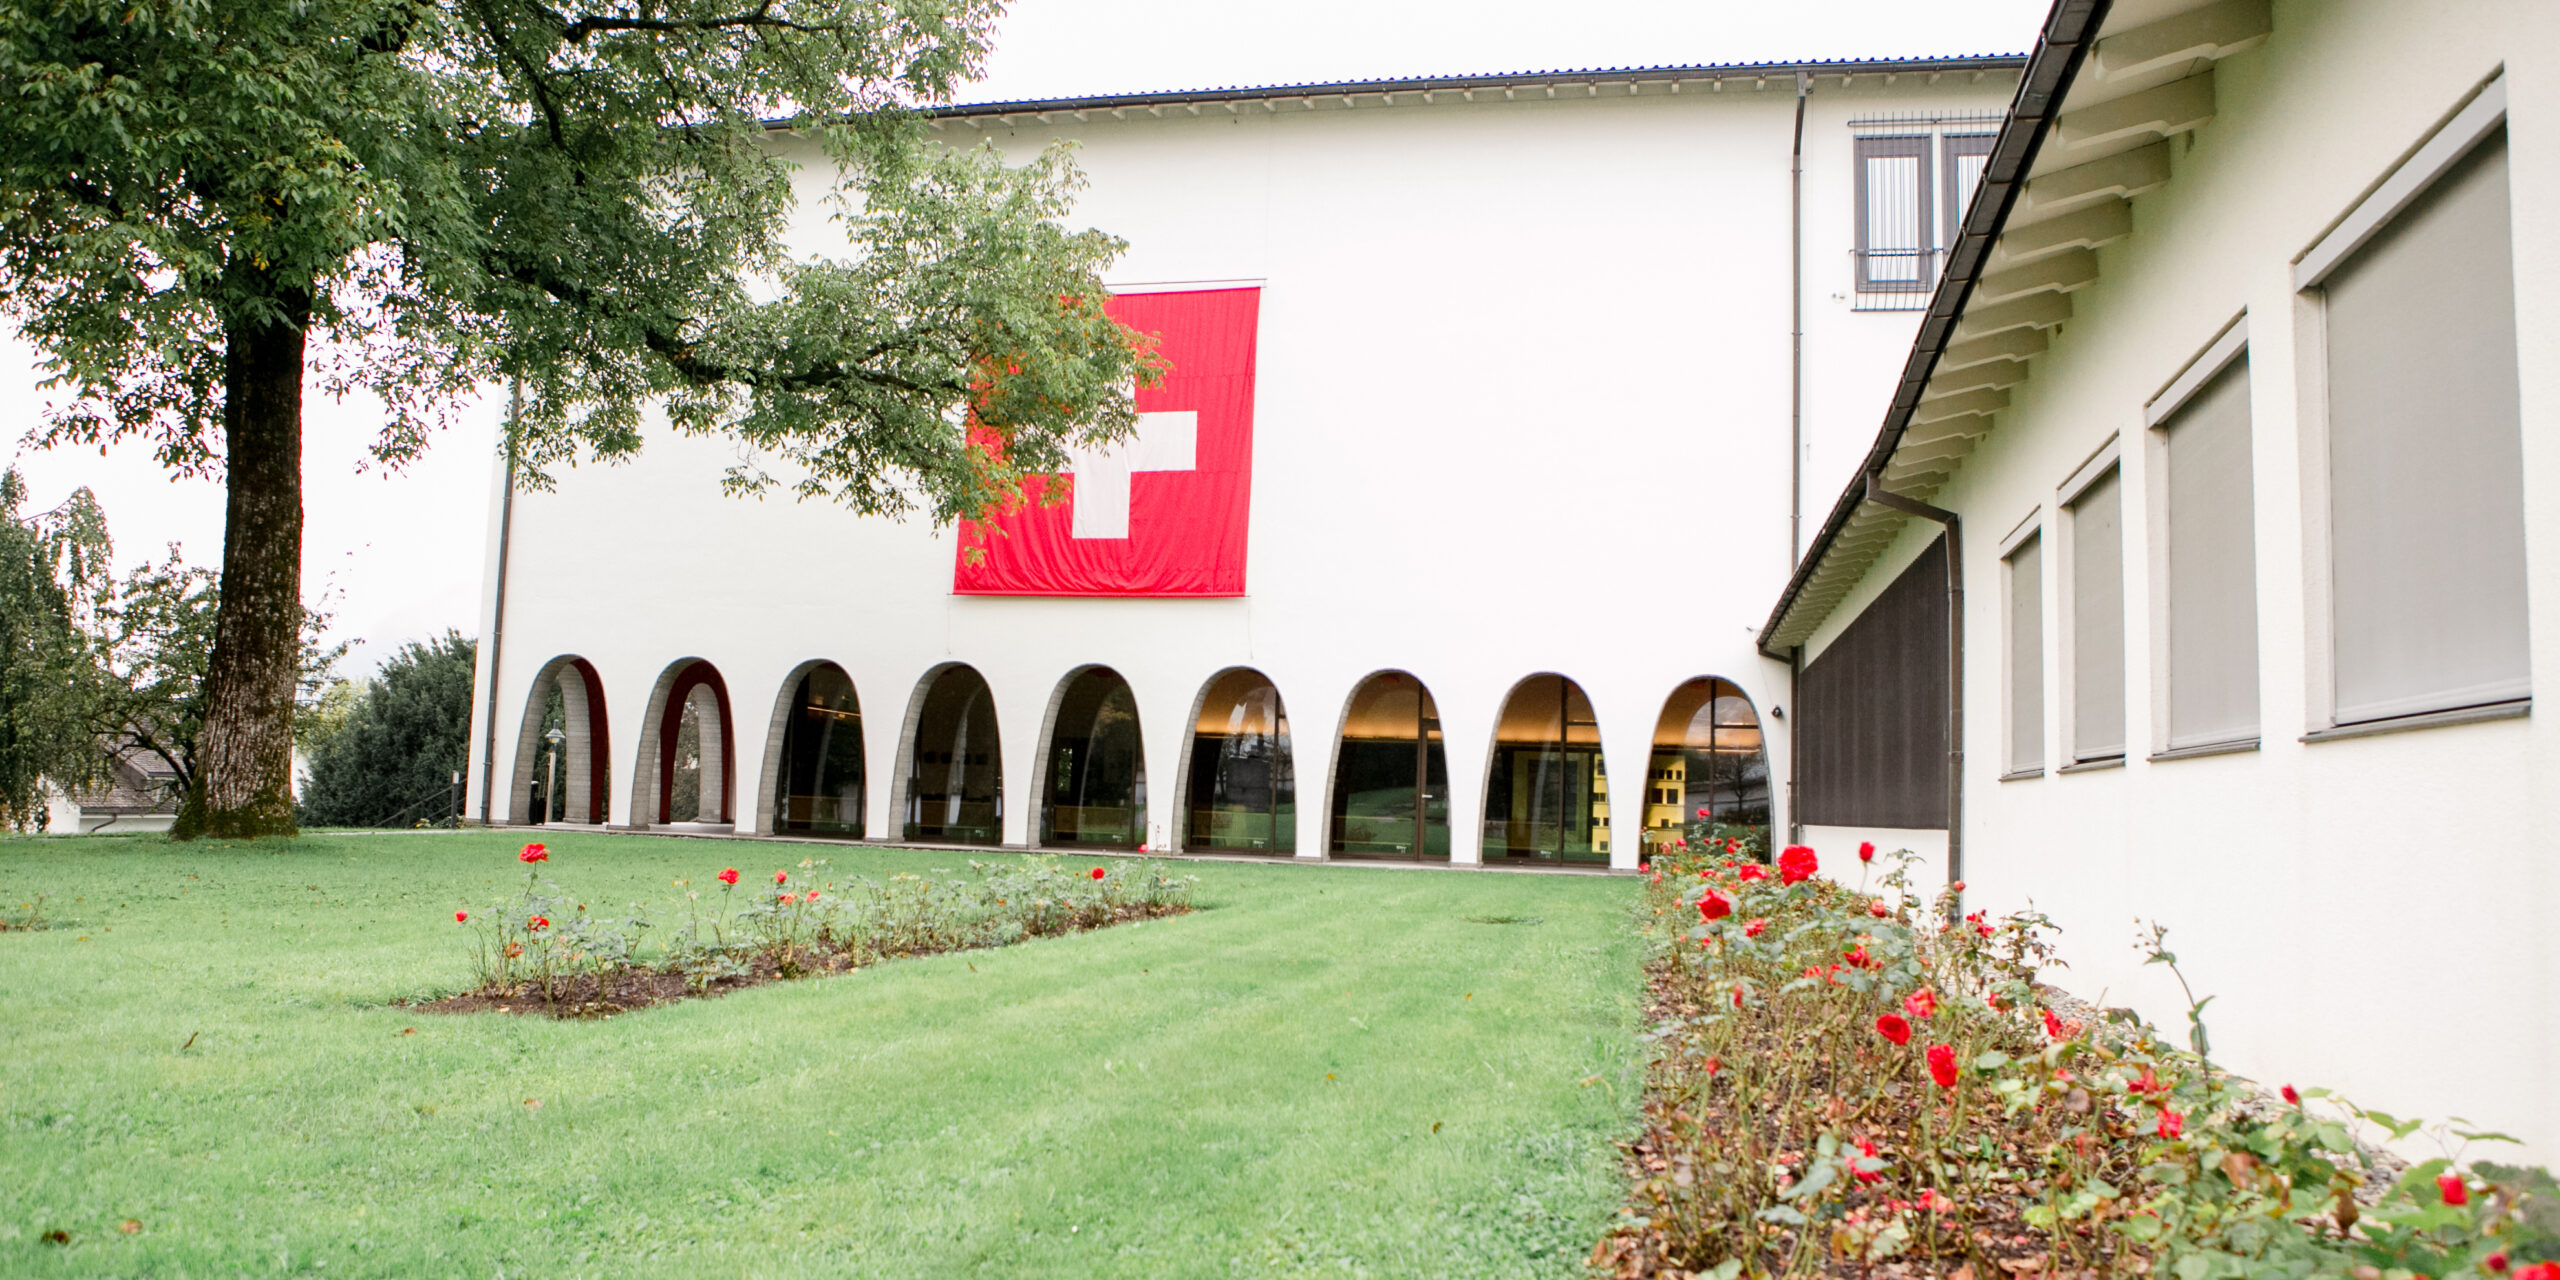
(1873, 710)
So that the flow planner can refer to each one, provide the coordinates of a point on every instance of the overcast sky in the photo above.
(403, 552)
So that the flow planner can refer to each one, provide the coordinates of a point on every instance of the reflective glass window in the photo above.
(820, 789)
(1391, 777)
(1546, 792)
(1708, 764)
(1097, 768)
(1243, 789)
(955, 777)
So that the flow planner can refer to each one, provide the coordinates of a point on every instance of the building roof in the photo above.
(2109, 83)
(1711, 77)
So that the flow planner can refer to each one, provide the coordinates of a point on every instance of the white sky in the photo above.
(404, 552)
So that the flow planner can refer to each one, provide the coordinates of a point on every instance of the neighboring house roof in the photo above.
(1708, 77)
(139, 782)
(2106, 88)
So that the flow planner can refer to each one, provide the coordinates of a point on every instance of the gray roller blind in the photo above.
(2097, 620)
(2426, 496)
(2213, 566)
(2026, 655)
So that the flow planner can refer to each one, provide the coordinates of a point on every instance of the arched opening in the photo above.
(955, 773)
(1390, 774)
(1707, 763)
(564, 769)
(1546, 795)
(817, 773)
(695, 745)
(1242, 789)
(1094, 783)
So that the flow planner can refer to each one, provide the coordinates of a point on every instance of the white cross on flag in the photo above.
(1163, 512)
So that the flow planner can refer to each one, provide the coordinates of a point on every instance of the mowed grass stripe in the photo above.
(1148, 1100)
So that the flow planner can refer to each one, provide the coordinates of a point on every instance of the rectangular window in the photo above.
(2026, 655)
(2426, 496)
(2212, 569)
(1893, 214)
(2097, 619)
(1967, 153)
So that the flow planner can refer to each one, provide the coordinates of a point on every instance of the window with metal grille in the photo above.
(1895, 254)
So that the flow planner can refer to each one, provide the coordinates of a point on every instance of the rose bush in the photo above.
(1799, 1122)
(544, 937)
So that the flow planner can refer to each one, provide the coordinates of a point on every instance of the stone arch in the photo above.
(688, 685)
(815, 769)
(1708, 753)
(1089, 781)
(584, 793)
(950, 777)
(1390, 770)
(1546, 790)
(1237, 789)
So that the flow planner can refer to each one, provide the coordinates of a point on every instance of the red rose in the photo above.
(1921, 1003)
(1868, 1150)
(1097, 873)
(1714, 906)
(785, 899)
(2540, 1271)
(2052, 1025)
(809, 896)
(2149, 1083)
(1702, 813)
(729, 876)
(779, 878)
(1797, 863)
(1733, 844)
(1866, 851)
(1942, 1065)
(460, 916)
(1753, 871)
(1758, 926)
(1859, 959)
(538, 922)
(2291, 1097)
(2496, 1263)
(1737, 995)
(1878, 909)
(534, 853)
(1893, 1027)
(2171, 1123)
(2450, 1184)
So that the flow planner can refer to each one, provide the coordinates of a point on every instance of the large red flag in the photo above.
(1162, 513)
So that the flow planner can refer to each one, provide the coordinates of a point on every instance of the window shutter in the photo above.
(2026, 656)
(2213, 566)
(2426, 494)
(2097, 620)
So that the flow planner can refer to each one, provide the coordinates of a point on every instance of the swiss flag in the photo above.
(1163, 513)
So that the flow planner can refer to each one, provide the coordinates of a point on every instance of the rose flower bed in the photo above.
(544, 952)
(1846, 1084)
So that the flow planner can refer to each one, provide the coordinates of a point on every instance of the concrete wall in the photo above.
(1522, 407)
(2373, 914)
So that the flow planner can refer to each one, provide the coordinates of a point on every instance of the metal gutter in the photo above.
(1515, 80)
(2070, 30)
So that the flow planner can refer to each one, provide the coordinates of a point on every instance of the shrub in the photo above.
(1844, 1079)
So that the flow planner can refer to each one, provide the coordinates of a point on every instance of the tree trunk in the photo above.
(244, 756)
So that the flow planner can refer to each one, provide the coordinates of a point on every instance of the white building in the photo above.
(2241, 417)
(1522, 386)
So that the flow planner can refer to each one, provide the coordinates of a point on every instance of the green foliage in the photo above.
(53, 571)
(390, 758)
(1894, 1070)
(585, 200)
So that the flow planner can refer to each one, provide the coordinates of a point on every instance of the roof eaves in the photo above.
(1497, 81)
(2069, 30)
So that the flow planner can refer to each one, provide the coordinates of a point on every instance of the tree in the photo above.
(390, 763)
(53, 575)
(203, 204)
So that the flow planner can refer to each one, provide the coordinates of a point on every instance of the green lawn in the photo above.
(1323, 1071)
